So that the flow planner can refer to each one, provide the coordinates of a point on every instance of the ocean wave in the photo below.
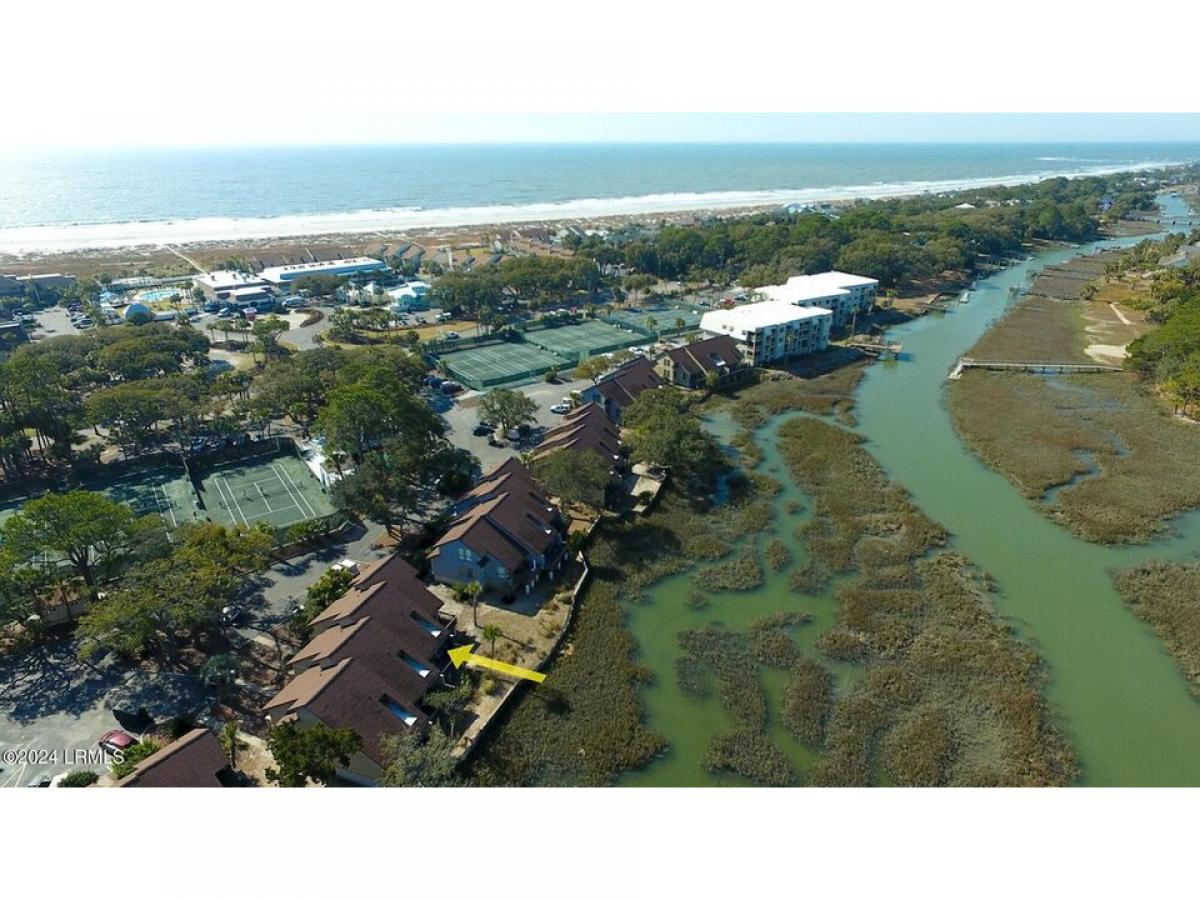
(24, 240)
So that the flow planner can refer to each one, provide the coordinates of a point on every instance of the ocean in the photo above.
(70, 200)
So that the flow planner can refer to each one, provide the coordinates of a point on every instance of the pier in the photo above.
(874, 346)
(1038, 368)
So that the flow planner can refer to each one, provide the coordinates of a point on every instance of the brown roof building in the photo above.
(194, 760)
(375, 652)
(620, 387)
(584, 428)
(506, 533)
(689, 366)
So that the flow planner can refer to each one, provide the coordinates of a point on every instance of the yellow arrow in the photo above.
(461, 655)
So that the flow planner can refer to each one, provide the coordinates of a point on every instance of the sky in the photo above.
(228, 72)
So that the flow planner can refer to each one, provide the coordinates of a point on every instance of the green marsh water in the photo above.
(1115, 692)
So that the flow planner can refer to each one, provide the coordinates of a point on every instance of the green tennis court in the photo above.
(665, 318)
(277, 491)
(481, 367)
(166, 493)
(575, 342)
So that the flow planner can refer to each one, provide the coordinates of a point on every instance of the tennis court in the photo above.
(666, 318)
(277, 491)
(163, 492)
(481, 367)
(576, 342)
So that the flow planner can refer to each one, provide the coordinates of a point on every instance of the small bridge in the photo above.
(1040, 368)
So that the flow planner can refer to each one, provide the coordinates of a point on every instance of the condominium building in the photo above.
(841, 293)
(772, 330)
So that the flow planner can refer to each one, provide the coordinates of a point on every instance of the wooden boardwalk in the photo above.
(1040, 368)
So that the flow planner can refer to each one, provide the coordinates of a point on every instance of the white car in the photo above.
(561, 408)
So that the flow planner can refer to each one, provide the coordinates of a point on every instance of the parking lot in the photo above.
(462, 416)
(54, 708)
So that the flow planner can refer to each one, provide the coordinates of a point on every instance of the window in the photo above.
(415, 664)
(427, 625)
(464, 553)
(399, 711)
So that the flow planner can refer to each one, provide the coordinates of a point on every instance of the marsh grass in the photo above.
(938, 664)
(584, 727)
(778, 556)
(742, 573)
(807, 701)
(1167, 596)
(1127, 465)
(827, 394)
(1122, 461)
(751, 755)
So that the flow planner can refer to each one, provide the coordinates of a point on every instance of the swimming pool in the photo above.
(158, 294)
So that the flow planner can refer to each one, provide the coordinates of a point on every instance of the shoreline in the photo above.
(22, 248)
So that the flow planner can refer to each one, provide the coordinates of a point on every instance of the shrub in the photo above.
(134, 755)
(79, 778)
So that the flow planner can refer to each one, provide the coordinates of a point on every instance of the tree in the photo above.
(507, 409)
(317, 285)
(638, 283)
(181, 592)
(229, 741)
(420, 759)
(314, 754)
(592, 368)
(93, 533)
(662, 431)
(469, 594)
(574, 477)
(492, 633)
(322, 592)
(266, 332)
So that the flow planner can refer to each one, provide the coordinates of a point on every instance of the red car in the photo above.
(112, 741)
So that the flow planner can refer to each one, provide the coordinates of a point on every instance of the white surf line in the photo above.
(311, 512)
(1120, 315)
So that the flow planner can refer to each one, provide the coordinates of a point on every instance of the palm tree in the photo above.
(469, 594)
(490, 634)
(229, 741)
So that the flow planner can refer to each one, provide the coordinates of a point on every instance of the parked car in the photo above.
(112, 741)
(451, 387)
(483, 428)
(225, 313)
(294, 303)
(231, 615)
(561, 408)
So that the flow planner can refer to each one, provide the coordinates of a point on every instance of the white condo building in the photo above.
(841, 293)
(771, 330)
